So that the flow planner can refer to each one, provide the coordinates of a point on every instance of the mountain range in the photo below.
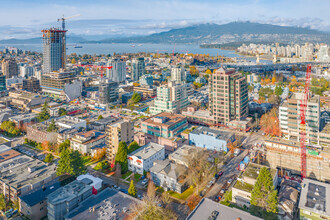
(213, 33)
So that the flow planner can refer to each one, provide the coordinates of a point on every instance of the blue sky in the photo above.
(25, 18)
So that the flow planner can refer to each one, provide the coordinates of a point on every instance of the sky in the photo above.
(116, 18)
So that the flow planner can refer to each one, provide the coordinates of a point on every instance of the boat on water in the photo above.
(77, 46)
(132, 45)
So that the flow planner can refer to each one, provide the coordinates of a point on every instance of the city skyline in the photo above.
(21, 19)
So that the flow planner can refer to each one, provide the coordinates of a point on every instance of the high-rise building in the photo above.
(118, 71)
(289, 116)
(178, 74)
(323, 54)
(108, 92)
(138, 68)
(117, 132)
(54, 49)
(228, 96)
(170, 98)
(2, 82)
(9, 67)
(26, 70)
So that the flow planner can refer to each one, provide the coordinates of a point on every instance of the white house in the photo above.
(142, 159)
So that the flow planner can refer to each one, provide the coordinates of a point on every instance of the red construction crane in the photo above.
(95, 66)
(303, 107)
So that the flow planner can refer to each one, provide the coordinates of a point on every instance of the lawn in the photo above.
(137, 177)
(125, 175)
(184, 195)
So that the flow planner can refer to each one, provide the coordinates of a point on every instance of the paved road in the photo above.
(229, 170)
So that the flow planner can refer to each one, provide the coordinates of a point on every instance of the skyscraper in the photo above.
(108, 92)
(118, 71)
(54, 49)
(138, 68)
(178, 74)
(9, 67)
(228, 96)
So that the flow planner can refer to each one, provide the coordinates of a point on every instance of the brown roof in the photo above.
(8, 155)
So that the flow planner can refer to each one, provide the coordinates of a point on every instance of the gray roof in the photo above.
(68, 192)
(315, 197)
(168, 168)
(108, 204)
(206, 206)
(222, 135)
(181, 155)
(147, 151)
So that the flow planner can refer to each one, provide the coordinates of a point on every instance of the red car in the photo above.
(220, 173)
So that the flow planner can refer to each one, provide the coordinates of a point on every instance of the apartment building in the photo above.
(178, 74)
(9, 67)
(118, 71)
(228, 96)
(142, 159)
(170, 98)
(108, 92)
(88, 142)
(289, 116)
(117, 132)
(32, 85)
(138, 68)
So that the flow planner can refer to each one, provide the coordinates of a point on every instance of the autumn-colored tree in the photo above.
(267, 81)
(193, 201)
(273, 80)
(262, 82)
(270, 123)
(100, 153)
(208, 71)
(151, 190)
(193, 71)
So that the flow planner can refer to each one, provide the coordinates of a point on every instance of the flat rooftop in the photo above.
(6, 155)
(23, 117)
(108, 204)
(147, 151)
(68, 192)
(206, 206)
(28, 173)
(222, 135)
(253, 169)
(164, 119)
(14, 162)
(4, 148)
(315, 197)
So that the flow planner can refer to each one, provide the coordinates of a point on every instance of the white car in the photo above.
(144, 182)
(229, 181)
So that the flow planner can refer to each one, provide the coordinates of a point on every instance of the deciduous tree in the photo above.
(133, 147)
(270, 124)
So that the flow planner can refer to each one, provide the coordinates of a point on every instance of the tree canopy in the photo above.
(71, 162)
(100, 117)
(278, 90)
(49, 158)
(132, 147)
(10, 128)
(135, 98)
(270, 123)
(263, 195)
(62, 111)
(52, 126)
(44, 114)
(132, 190)
(64, 145)
(121, 156)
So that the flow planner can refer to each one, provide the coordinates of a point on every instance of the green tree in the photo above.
(49, 158)
(62, 112)
(264, 196)
(135, 99)
(132, 190)
(52, 126)
(278, 90)
(64, 145)
(10, 128)
(2, 202)
(121, 156)
(100, 117)
(132, 147)
(44, 114)
(71, 162)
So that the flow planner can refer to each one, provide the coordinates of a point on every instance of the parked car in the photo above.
(144, 181)
(229, 181)
(213, 215)
(220, 173)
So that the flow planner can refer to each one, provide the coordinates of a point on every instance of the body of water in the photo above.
(130, 48)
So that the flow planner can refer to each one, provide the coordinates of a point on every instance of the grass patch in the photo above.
(244, 186)
(125, 175)
(137, 177)
(184, 195)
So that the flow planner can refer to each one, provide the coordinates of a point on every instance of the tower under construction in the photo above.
(54, 49)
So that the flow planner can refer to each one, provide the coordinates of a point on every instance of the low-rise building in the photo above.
(70, 122)
(88, 142)
(108, 204)
(288, 200)
(102, 124)
(211, 139)
(67, 198)
(142, 159)
(147, 91)
(169, 175)
(314, 200)
(181, 155)
(26, 100)
(207, 209)
(24, 177)
(24, 120)
(241, 191)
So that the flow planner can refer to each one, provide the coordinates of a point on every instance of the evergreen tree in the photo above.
(49, 158)
(132, 190)
(64, 145)
(44, 114)
(264, 196)
(77, 163)
(133, 147)
(71, 162)
(278, 90)
(52, 126)
(121, 156)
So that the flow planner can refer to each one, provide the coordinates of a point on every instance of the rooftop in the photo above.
(23, 117)
(252, 171)
(68, 192)
(164, 119)
(243, 186)
(108, 204)
(147, 151)
(315, 197)
(28, 173)
(167, 168)
(6, 155)
(4, 148)
(180, 155)
(206, 207)
(223, 135)
(14, 162)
